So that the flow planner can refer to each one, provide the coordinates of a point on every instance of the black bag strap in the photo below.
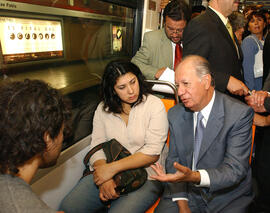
(91, 152)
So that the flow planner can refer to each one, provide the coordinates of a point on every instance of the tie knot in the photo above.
(199, 116)
(177, 47)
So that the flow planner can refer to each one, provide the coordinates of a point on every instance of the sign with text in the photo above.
(25, 39)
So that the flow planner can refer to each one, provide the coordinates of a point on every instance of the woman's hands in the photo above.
(103, 173)
(103, 178)
(107, 191)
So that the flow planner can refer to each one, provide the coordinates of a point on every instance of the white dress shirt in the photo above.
(205, 180)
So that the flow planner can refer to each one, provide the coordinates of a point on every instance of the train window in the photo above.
(92, 33)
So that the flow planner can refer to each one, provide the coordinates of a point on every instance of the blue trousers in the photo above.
(84, 198)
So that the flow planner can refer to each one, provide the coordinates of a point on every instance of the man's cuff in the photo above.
(179, 198)
(205, 180)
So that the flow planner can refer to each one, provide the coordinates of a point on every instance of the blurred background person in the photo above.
(238, 22)
(252, 47)
(197, 10)
(267, 16)
(266, 61)
(249, 9)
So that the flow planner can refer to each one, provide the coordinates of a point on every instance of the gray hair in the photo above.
(237, 20)
(202, 67)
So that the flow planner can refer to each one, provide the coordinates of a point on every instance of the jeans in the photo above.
(84, 198)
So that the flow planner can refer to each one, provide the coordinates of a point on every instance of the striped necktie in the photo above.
(198, 138)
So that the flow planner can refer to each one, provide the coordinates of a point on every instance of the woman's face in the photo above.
(127, 88)
(256, 25)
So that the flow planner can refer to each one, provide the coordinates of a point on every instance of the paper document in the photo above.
(167, 75)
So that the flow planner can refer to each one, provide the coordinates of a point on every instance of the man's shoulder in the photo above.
(156, 34)
(233, 106)
(201, 24)
(16, 192)
(176, 111)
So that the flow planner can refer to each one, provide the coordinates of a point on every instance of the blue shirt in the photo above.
(250, 49)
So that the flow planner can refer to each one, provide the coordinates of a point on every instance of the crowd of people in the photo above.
(220, 59)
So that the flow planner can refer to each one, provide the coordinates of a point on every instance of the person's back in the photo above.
(32, 118)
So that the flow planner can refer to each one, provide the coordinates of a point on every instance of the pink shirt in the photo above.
(146, 131)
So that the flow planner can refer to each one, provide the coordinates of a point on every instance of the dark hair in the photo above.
(198, 8)
(27, 110)
(177, 10)
(248, 8)
(115, 69)
(256, 13)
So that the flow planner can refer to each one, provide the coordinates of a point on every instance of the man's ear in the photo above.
(207, 81)
(47, 138)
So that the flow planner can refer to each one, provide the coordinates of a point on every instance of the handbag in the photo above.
(126, 181)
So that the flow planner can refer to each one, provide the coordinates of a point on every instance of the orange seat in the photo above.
(152, 209)
(168, 103)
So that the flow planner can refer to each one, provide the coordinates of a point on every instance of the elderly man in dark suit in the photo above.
(210, 36)
(210, 141)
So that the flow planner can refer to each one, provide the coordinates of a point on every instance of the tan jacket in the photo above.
(155, 53)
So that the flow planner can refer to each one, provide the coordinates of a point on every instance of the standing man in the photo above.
(210, 141)
(32, 120)
(210, 36)
(159, 47)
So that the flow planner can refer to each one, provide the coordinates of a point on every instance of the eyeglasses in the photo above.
(171, 30)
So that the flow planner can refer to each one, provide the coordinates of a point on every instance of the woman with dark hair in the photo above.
(137, 120)
(252, 47)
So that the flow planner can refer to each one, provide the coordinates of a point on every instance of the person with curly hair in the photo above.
(252, 47)
(137, 120)
(32, 120)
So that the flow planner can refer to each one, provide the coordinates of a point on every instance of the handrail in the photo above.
(167, 83)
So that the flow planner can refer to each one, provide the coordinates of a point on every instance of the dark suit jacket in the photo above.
(224, 152)
(207, 36)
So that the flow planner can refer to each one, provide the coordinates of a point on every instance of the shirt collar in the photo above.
(207, 109)
(222, 17)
